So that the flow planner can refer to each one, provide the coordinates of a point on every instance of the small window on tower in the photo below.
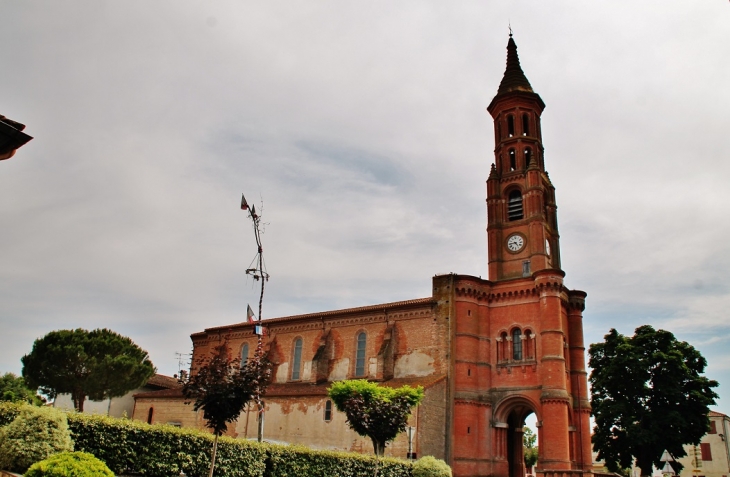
(328, 410)
(526, 268)
(512, 160)
(514, 206)
(525, 125)
(510, 125)
(528, 156)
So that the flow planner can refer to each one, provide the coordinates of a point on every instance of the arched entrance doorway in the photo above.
(512, 415)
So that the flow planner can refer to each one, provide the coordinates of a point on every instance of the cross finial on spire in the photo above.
(509, 25)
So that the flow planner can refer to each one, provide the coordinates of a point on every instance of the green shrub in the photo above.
(297, 461)
(70, 464)
(8, 412)
(127, 446)
(35, 434)
(429, 466)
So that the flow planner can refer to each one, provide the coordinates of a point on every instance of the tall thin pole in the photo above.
(258, 273)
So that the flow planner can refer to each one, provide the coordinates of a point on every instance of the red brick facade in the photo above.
(489, 352)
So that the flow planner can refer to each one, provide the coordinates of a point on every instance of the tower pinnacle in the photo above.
(514, 78)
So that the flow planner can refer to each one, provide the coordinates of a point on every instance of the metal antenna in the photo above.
(258, 273)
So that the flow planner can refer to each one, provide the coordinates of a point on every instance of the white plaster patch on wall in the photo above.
(373, 367)
(414, 364)
(307, 372)
(282, 373)
(340, 370)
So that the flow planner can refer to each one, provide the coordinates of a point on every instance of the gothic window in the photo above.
(296, 362)
(510, 125)
(360, 354)
(244, 353)
(328, 410)
(512, 160)
(514, 206)
(528, 156)
(516, 345)
(525, 125)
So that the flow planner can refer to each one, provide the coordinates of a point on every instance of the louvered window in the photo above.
(514, 205)
(296, 359)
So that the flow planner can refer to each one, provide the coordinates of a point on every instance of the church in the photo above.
(487, 352)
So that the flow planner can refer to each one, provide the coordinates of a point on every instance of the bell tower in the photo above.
(522, 226)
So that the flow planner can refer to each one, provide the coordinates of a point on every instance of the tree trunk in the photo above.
(212, 460)
(378, 447)
(78, 398)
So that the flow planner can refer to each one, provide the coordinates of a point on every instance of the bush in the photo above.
(429, 466)
(127, 446)
(35, 434)
(70, 464)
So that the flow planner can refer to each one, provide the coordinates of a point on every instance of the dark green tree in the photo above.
(648, 394)
(222, 387)
(14, 389)
(98, 364)
(377, 412)
(529, 448)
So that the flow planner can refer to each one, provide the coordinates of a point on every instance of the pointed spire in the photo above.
(492, 172)
(514, 78)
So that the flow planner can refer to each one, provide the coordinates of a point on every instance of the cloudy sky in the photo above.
(362, 128)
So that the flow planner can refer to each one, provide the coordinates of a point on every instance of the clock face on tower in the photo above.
(515, 243)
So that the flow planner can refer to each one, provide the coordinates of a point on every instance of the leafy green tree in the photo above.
(98, 364)
(377, 412)
(14, 389)
(529, 447)
(222, 387)
(648, 394)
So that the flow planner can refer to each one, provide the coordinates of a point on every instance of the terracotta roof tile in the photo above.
(162, 381)
(325, 314)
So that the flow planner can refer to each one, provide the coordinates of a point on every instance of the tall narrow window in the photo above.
(244, 353)
(514, 205)
(149, 415)
(516, 345)
(510, 125)
(526, 268)
(296, 362)
(525, 125)
(528, 156)
(527, 348)
(706, 451)
(360, 355)
(328, 410)
(512, 160)
(713, 427)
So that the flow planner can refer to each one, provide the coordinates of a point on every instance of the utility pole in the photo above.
(258, 273)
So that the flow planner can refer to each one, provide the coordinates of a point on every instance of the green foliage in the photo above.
(429, 466)
(99, 364)
(34, 434)
(647, 394)
(14, 389)
(529, 449)
(128, 446)
(377, 412)
(298, 461)
(70, 464)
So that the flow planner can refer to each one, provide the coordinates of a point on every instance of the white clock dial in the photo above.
(515, 243)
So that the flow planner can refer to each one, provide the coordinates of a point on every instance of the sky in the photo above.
(361, 131)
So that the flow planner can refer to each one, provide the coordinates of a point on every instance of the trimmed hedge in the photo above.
(160, 451)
